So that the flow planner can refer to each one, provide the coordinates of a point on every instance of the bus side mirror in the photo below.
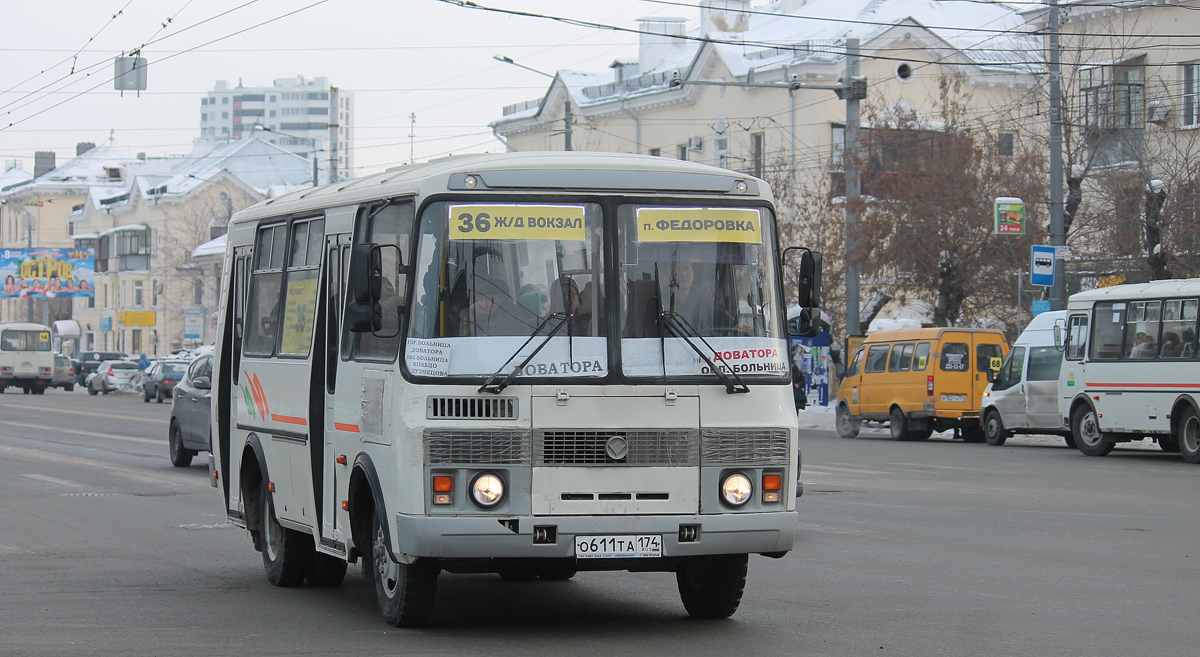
(1058, 337)
(364, 314)
(810, 280)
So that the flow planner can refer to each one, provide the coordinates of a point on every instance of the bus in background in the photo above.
(526, 364)
(1130, 368)
(26, 357)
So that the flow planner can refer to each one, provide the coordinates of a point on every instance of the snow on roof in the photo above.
(213, 247)
(14, 177)
(90, 169)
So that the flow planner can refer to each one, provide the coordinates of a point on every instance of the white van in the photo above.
(1024, 396)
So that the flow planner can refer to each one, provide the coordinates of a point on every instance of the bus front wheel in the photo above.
(1189, 436)
(287, 554)
(711, 586)
(847, 426)
(1085, 426)
(405, 590)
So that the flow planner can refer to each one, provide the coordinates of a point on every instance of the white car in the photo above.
(111, 375)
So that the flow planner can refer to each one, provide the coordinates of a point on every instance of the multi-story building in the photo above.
(306, 116)
(691, 94)
(144, 230)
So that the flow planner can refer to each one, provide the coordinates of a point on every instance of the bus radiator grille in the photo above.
(745, 446)
(471, 408)
(644, 447)
(491, 447)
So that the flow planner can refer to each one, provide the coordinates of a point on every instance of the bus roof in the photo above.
(1175, 287)
(534, 171)
(925, 333)
(24, 326)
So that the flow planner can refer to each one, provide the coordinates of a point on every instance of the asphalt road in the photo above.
(937, 548)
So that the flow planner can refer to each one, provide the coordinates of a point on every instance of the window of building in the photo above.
(136, 339)
(683, 152)
(721, 152)
(1113, 100)
(197, 291)
(121, 299)
(224, 115)
(272, 99)
(137, 294)
(1006, 144)
(225, 100)
(272, 113)
(1191, 94)
(656, 152)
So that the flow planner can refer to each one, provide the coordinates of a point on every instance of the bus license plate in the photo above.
(617, 547)
(954, 398)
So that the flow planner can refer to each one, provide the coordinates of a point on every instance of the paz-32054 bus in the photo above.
(526, 364)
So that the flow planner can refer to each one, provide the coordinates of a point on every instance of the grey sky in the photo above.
(399, 57)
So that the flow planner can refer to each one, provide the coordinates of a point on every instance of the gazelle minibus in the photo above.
(527, 364)
(1130, 367)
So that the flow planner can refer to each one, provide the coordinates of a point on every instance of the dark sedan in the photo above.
(159, 381)
(90, 360)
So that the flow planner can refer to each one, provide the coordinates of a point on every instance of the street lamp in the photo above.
(312, 142)
(509, 60)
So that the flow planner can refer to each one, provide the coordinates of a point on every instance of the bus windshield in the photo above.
(710, 268)
(492, 274)
(18, 340)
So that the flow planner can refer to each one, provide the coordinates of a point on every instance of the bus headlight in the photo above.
(736, 489)
(487, 490)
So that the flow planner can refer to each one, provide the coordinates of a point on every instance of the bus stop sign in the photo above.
(1041, 266)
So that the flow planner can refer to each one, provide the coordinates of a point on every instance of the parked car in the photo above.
(63, 375)
(111, 375)
(190, 410)
(90, 360)
(158, 381)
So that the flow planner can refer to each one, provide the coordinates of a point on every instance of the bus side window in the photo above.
(266, 291)
(901, 358)
(333, 283)
(1044, 364)
(877, 357)
(1077, 332)
(1010, 372)
(852, 369)
(956, 357)
(1108, 331)
(303, 284)
(241, 260)
(921, 357)
(389, 226)
(985, 354)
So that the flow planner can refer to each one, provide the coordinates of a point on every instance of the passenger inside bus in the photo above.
(493, 312)
(1171, 348)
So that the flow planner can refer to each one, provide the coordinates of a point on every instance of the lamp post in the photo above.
(311, 141)
(567, 118)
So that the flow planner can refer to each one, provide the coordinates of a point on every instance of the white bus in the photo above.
(1130, 368)
(26, 357)
(526, 364)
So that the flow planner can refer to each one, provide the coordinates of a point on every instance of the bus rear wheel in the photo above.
(898, 423)
(405, 591)
(1189, 436)
(711, 586)
(847, 426)
(287, 554)
(1085, 426)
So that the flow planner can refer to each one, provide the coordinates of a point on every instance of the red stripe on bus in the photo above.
(342, 426)
(1142, 385)
(288, 419)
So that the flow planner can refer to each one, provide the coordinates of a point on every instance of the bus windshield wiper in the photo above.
(497, 388)
(675, 323)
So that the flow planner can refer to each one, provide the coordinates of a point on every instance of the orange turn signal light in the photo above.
(271, 486)
(443, 483)
(341, 459)
(345, 505)
(772, 482)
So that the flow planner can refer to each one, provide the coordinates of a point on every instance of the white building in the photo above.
(302, 115)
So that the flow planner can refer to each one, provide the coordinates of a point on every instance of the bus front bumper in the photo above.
(472, 537)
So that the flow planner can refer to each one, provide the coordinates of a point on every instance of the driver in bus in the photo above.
(493, 312)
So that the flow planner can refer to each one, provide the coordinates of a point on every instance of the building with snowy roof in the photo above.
(651, 105)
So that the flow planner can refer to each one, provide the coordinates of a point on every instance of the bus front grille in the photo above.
(490, 447)
(642, 447)
(745, 447)
(471, 408)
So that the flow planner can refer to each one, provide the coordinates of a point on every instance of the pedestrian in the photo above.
(798, 386)
(143, 363)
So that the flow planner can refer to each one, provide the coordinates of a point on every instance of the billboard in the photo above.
(47, 273)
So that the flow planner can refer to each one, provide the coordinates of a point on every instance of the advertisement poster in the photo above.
(1010, 216)
(47, 273)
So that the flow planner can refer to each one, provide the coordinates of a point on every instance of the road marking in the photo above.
(89, 434)
(123, 418)
(53, 480)
(132, 473)
(820, 468)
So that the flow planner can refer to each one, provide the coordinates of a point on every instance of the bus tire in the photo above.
(1189, 436)
(898, 424)
(1070, 439)
(405, 591)
(1085, 426)
(1167, 444)
(847, 426)
(920, 434)
(181, 457)
(326, 570)
(993, 428)
(711, 586)
(287, 554)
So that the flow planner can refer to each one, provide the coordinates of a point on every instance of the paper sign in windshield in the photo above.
(517, 222)
(740, 225)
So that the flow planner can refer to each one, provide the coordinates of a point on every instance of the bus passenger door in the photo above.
(337, 252)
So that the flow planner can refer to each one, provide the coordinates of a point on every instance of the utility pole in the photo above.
(1058, 233)
(334, 124)
(412, 132)
(567, 118)
(853, 188)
